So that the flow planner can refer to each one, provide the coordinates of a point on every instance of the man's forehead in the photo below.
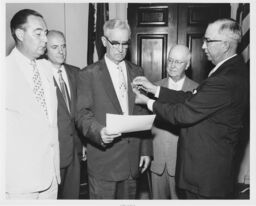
(178, 53)
(36, 22)
(55, 37)
(118, 33)
(212, 30)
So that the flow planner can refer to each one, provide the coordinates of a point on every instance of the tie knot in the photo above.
(59, 71)
(33, 63)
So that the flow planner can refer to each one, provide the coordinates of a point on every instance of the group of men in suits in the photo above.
(48, 102)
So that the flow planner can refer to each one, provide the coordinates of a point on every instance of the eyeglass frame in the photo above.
(207, 40)
(175, 61)
(116, 44)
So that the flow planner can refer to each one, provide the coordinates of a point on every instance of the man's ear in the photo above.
(187, 66)
(19, 34)
(226, 45)
(104, 41)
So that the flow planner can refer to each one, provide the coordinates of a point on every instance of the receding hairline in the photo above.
(53, 33)
(228, 28)
(113, 24)
(181, 48)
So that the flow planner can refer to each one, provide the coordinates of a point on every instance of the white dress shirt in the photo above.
(114, 74)
(176, 85)
(27, 69)
(219, 64)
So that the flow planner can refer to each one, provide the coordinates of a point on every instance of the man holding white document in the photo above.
(114, 159)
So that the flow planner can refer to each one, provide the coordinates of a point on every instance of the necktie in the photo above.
(63, 89)
(38, 88)
(122, 90)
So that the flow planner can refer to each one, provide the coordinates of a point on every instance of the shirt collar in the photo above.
(111, 64)
(219, 64)
(180, 81)
(21, 57)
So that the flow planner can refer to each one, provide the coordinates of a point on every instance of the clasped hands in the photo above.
(140, 84)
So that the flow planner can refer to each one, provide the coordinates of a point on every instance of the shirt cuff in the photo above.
(157, 91)
(150, 104)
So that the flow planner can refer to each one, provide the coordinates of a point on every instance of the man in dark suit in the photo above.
(211, 116)
(104, 87)
(65, 77)
(165, 138)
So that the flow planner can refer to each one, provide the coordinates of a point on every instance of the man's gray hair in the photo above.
(116, 24)
(230, 29)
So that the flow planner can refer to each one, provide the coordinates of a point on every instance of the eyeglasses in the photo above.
(116, 44)
(175, 61)
(207, 40)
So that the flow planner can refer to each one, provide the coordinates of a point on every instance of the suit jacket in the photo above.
(32, 147)
(212, 118)
(165, 137)
(68, 137)
(96, 97)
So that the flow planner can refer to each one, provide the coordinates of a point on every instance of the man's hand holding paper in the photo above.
(108, 137)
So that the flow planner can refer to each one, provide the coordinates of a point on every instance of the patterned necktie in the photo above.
(38, 88)
(63, 89)
(122, 90)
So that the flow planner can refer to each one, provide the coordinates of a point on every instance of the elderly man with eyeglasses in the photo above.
(114, 160)
(165, 138)
(211, 116)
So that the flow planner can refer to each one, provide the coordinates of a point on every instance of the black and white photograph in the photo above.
(130, 102)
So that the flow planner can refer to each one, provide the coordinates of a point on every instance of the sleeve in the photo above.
(146, 136)
(172, 96)
(213, 96)
(85, 119)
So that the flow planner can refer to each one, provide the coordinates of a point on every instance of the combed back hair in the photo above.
(54, 32)
(115, 24)
(20, 18)
(230, 29)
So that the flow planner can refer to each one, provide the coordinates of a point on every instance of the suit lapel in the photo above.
(131, 96)
(224, 66)
(165, 83)
(185, 85)
(108, 85)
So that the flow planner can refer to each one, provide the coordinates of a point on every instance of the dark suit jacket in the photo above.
(68, 137)
(96, 97)
(212, 119)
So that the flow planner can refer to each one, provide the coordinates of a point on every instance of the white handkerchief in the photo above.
(128, 123)
(194, 91)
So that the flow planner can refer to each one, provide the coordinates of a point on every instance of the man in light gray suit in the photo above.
(165, 137)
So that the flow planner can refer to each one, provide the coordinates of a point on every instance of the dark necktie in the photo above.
(63, 89)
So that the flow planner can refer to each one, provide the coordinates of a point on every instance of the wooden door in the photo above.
(157, 27)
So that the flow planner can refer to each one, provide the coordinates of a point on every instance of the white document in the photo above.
(128, 123)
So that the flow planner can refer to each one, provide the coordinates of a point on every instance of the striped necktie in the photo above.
(63, 89)
(38, 88)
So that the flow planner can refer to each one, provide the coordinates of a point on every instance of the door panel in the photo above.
(152, 55)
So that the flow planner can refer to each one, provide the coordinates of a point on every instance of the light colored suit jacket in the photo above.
(32, 147)
(165, 138)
